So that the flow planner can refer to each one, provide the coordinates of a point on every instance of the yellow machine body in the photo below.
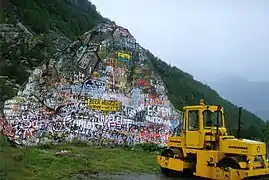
(204, 148)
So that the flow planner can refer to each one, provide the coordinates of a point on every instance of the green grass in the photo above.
(37, 163)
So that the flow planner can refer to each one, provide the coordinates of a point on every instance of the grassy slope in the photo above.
(37, 163)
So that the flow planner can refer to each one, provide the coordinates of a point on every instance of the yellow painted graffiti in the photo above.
(104, 105)
(95, 74)
(124, 56)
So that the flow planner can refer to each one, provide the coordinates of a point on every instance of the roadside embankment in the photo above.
(69, 161)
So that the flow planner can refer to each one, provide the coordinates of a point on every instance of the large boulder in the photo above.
(102, 89)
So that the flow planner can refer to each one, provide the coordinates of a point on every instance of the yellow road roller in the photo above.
(204, 148)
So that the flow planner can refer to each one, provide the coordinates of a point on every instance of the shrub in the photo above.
(3, 142)
(79, 143)
(149, 147)
(45, 146)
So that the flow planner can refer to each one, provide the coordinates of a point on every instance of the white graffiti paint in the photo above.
(53, 106)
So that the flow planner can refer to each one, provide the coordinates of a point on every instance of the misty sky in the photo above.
(202, 37)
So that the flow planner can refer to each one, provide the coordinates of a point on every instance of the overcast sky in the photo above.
(202, 37)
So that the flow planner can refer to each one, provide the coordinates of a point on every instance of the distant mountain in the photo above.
(254, 96)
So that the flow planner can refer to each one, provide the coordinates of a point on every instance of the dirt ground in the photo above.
(126, 176)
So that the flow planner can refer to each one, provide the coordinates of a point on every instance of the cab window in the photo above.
(212, 119)
(193, 120)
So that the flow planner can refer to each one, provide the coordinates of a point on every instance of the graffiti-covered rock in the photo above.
(101, 89)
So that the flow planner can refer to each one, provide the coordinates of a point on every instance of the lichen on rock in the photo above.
(101, 89)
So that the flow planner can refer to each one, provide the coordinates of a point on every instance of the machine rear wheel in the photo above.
(165, 171)
(169, 153)
(228, 162)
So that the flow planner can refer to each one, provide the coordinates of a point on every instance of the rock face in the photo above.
(102, 89)
(20, 52)
(14, 40)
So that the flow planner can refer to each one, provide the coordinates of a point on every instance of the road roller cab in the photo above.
(203, 147)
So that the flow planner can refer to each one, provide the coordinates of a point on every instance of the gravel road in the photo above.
(126, 176)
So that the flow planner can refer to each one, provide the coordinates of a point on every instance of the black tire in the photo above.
(228, 162)
(165, 171)
(169, 153)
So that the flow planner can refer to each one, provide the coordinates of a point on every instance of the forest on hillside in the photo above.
(72, 18)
